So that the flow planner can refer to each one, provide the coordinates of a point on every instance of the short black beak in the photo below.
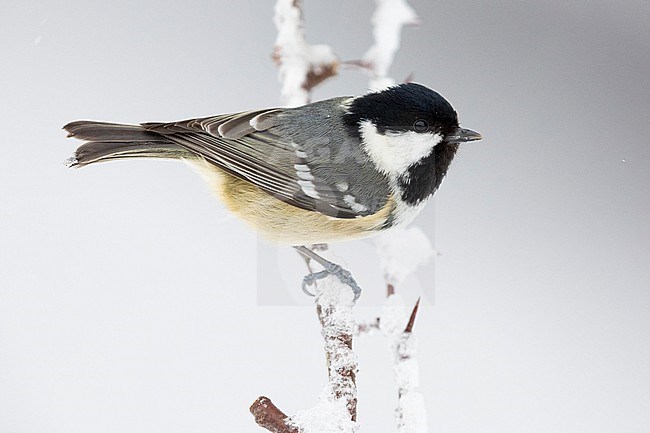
(461, 135)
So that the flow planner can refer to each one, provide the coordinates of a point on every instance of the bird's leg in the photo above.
(314, 247)
(330, 269)
(310, 279)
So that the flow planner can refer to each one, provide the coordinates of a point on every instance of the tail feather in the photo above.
(110, 141)
(89, 130)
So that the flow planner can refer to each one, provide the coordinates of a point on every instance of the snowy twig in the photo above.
(410, 414)
(268, 416)
(302, 66)
(389, 18)
(409, 325)
(337, 410)
(402, 251)
(334, 305)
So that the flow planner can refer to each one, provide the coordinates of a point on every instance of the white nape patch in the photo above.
(352, 202)
(394, 153)
(342, 186)
(347, 102)
(308, 188)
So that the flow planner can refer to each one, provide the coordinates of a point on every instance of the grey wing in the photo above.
(294, 164)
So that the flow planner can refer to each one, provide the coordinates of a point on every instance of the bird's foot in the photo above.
(342, 274)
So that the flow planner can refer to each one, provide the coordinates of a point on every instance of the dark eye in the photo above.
(420, 125)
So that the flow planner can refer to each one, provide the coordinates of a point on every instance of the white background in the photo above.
(131, 302)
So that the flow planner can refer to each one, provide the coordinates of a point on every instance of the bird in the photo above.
(337, 169)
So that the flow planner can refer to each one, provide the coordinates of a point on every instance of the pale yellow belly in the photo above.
(281, 222)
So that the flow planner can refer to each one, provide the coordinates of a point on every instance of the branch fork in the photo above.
(301, 68)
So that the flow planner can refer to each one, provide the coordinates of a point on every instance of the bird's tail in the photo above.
(110, 141)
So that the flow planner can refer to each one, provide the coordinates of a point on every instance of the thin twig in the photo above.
(409, 326)
(301, 68)
(402, 252)
(268, 416)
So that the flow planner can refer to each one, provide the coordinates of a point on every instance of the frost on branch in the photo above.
(334, 302)
(336, 411)
(389, 18)
(328, 416)
(402, 251)
(302, 66)
(411, 412)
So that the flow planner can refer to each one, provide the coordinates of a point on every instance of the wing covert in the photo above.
(287, 163)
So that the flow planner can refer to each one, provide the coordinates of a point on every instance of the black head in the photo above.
(398, 112)
(405, 107)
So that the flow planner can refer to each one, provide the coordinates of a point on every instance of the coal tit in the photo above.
(337, 169)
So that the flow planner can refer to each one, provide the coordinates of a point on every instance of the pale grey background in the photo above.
(128, 297)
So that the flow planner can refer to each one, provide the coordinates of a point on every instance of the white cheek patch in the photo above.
(394, 153)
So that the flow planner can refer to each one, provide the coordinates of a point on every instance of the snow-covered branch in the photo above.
(334, 305)
(302, 66)
(402, 251)
(337, 410)
(389, 18)
(411, 413)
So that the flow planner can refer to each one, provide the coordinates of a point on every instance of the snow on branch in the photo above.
(328, 416)
(401, 252)
(302, 66)
(336, 411)
(411, 413)
(334, 302)
(389, 18)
